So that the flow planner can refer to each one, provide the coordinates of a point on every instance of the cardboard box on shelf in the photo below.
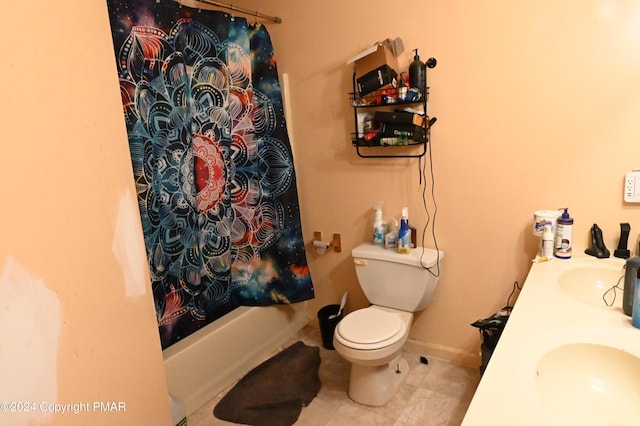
(380, 54)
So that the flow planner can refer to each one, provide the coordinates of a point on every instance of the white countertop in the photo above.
(545, 316)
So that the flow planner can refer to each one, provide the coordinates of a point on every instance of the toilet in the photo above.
(371, 339)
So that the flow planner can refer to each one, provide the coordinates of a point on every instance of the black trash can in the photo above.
(328, 326)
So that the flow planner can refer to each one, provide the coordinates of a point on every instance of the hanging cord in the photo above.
(614, 288)
(422, 165)
(516, 286)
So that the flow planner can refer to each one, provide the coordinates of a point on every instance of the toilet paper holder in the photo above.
(322, 246)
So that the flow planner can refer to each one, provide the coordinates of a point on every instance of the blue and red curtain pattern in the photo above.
(212, 162)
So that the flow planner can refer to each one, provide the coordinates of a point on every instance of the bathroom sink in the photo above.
(588, 284)
(590, 383)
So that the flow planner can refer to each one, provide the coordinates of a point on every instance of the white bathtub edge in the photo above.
(206, 362)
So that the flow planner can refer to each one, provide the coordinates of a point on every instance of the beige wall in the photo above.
(537, 108)
(77, 322)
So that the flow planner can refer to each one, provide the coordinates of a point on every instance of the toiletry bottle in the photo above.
(178, 412)
(631, 275)
(404, 234)
(402, 88)
(547, 241)
(635, 317)
(391, 238)
(414, 236)
(564, 235)
(417, 73)
(379, 225)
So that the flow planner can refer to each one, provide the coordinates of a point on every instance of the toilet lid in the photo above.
(367, 326)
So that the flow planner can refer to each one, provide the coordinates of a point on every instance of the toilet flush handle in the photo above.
(360, 261)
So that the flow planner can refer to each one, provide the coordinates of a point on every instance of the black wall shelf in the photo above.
(370, 140)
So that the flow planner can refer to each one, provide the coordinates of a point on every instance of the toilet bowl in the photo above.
(372, 335)
(371, 339)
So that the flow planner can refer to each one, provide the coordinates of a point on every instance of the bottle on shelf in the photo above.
(417, 73)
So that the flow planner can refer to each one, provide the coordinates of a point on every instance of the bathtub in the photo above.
(205, 362)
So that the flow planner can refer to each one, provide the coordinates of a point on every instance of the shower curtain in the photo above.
(211, 160)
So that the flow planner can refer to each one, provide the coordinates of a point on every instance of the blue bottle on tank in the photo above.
(404, 234)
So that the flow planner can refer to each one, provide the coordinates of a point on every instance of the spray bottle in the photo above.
(379, 225)
(391, 238)
(404, 234)
(564, 235)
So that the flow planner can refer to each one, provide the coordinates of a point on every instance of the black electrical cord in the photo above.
(431, 219)
(616, 286)
(516, 286)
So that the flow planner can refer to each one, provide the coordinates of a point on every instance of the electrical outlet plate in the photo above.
(632, 187)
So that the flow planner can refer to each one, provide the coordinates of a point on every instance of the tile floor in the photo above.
(437, 393)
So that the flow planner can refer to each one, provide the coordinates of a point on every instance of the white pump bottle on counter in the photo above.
(564, 235)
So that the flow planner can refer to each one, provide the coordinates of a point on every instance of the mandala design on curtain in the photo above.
(211, 160)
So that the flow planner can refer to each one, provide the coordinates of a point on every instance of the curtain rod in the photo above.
(275, 19)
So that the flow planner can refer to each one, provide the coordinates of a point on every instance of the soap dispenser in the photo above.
(564, 235)
(417, 73)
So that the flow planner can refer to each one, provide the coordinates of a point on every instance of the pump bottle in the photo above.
(564, 235)
(417, 73)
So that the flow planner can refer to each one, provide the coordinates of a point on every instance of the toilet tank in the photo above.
(394, 280)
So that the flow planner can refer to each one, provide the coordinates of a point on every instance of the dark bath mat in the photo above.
(273, 393)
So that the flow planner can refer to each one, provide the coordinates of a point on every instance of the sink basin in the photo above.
(588, 284)
(590, 383)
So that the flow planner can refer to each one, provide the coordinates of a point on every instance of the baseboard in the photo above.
(456, 356)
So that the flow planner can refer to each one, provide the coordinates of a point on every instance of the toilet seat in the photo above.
(370, 328)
